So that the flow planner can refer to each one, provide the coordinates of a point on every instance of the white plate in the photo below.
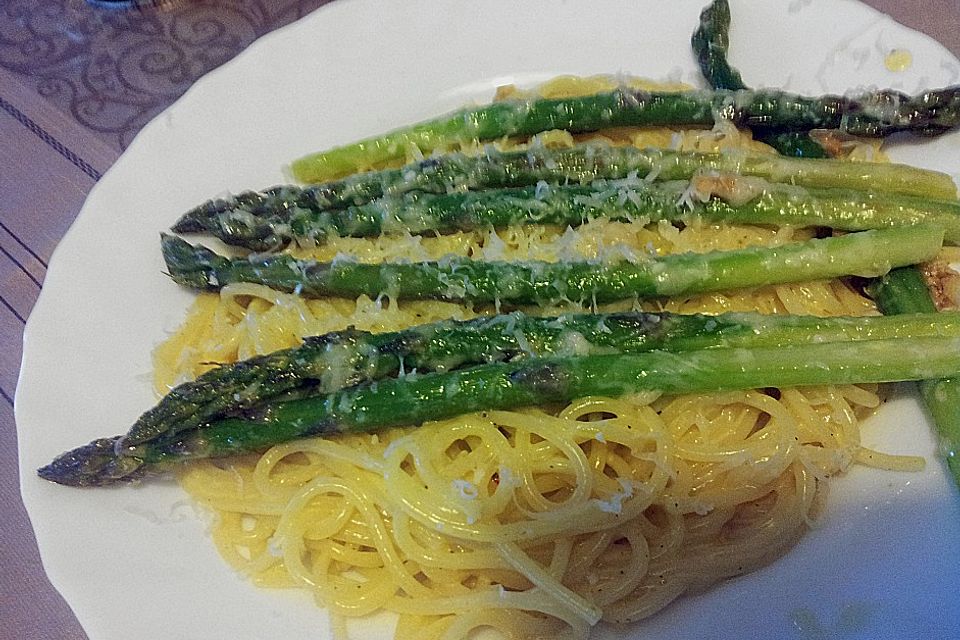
(138, 563)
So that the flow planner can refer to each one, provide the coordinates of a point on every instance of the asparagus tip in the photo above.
(96, 464)
(189, 265)
(198, 219)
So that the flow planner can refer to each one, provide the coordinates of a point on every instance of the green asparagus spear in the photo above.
(327, 363)
(710, 43)
(797, 144)
(901, 291)
(97, 464)
(332, 361)
(904, 291)
(757, 202)
(582, 165)
(415, 399)
(869, 253)
(942, 399)
(874, 115)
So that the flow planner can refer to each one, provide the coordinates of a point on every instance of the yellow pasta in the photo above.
(538, 522)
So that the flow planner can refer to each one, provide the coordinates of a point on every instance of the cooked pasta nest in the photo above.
(537, 522)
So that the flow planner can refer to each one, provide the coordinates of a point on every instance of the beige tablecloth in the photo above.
(76, 84)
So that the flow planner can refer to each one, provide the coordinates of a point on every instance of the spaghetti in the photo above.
(538, 522)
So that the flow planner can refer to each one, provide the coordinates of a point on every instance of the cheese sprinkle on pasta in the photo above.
(533, 523)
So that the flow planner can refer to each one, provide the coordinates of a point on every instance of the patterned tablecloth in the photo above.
(77, 82)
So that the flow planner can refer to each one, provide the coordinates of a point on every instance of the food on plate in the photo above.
(333, 361)
(710, 44)
(872, 115)
(905, 291)
(717, 197)
(868, 253)
(576, 356)
(766, 111)
(423, 193)
(546, 382)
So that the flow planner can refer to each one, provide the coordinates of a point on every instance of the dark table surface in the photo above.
(76, 84)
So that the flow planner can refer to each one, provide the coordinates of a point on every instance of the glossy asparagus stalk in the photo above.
(868, 253)
(330, 362)
(414, 399)
(875, 114)
(904, 291)
(710, 43)
(752, 201)
(579, 165)
(327, 363)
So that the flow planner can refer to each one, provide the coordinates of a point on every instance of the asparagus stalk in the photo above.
(756, 202)
(904, 291)
(582, 164)
(794, 143)
(328, 363)
(412, 400)
(869, 253)
(942, 399)
(874, 114)
(710, 43)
